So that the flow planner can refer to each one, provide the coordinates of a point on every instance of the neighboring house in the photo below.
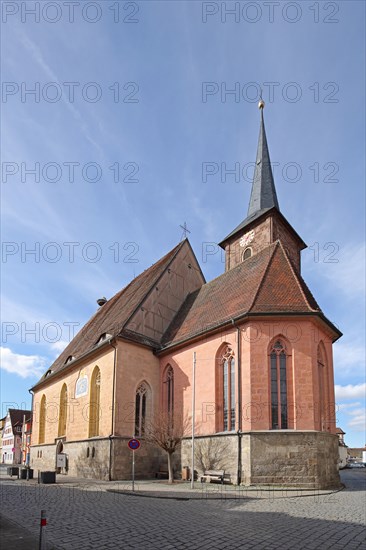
(2, 422)
(356, 453)
(264, 384)
(342, 448)
(12, 436)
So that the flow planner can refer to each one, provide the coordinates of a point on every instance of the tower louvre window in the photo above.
(247, 253)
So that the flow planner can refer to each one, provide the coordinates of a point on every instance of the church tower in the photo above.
(264, 223)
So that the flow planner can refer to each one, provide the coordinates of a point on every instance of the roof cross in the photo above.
(185, 231)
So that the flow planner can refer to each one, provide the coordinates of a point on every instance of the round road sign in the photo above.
(134, 444)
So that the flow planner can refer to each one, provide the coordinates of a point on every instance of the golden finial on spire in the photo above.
(261, 103)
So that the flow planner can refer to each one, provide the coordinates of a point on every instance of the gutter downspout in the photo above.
(113, 411)
(238, 350)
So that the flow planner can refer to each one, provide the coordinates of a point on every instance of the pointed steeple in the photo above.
(263, 193)
(264, 223)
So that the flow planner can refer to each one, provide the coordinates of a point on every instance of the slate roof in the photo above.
(263, 196)
(115, 313)
(263, 193)
(264, 283)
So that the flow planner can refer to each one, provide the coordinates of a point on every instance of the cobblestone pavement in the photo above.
(91, 517)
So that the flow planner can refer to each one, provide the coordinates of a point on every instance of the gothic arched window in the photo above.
(247, 253)
(322, 387)
(169, 389)
(142, 394)
(42, 420)
(94, 405)
(62, 412)
(228, 385)
(278, 386)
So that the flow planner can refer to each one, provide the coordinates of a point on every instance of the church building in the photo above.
(263, 386)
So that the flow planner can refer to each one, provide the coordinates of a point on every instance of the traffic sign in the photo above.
(134, 444)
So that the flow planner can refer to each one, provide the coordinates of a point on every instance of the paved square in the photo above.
(88, 516)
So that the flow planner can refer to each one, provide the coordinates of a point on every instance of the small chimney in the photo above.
(102, 301)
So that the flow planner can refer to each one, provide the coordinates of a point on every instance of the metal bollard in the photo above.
(43, 523)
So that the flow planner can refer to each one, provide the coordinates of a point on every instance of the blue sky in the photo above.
(146, 93)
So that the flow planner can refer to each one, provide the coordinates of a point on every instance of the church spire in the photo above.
(263, 195)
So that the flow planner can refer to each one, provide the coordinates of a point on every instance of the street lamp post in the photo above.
(193, 413)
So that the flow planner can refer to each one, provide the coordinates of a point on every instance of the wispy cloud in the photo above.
(349, 358)
(344, 269)
(344, 406)
(350, 391)
(38, 57)
(58, 347)
(358, 420)
(25, 366)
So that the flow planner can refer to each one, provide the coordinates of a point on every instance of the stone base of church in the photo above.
(91, 459)
(88, 458)
(306, 459)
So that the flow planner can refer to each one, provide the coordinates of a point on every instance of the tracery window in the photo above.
(140, 409)
(228, 374)
(169, 389)
(322, 388)
(278, 386)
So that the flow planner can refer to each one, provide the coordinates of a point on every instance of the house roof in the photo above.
(17, 415)
(264, 283)
(114, 314)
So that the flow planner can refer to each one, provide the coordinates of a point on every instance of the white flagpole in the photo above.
(193, 415)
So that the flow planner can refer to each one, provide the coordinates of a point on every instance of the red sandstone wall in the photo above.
(301, 338)
(266, 232)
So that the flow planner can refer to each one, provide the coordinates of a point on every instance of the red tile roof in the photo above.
(282, 288)
(264, 283)
(114, 314)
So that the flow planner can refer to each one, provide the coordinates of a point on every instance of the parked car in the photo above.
(355, 465)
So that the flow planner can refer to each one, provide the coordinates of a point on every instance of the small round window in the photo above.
(247, 253)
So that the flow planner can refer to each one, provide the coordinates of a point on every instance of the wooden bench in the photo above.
(162, 473)
(213, 475)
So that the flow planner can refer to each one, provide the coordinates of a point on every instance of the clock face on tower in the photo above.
(247, 238)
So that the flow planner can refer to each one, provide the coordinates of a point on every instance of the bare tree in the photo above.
(211, 454)
(167, 432)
